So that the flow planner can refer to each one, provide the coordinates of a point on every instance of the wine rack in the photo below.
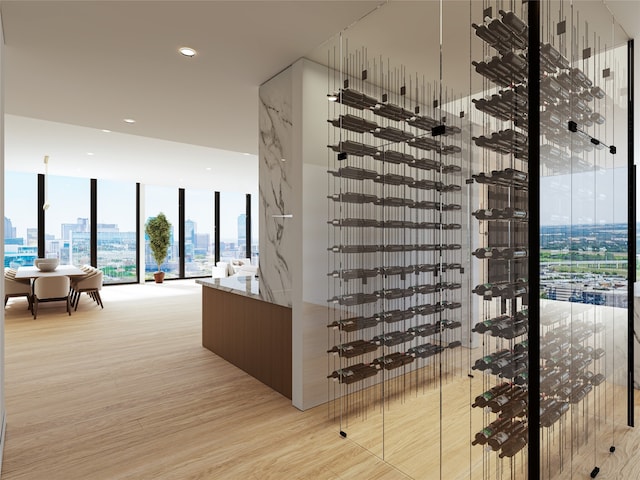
(454, 305)
(396, 230)
(570, 367)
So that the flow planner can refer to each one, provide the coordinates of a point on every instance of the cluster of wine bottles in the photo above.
(504, 219)
(394, 180)
(502, 289)
(389, 361)
(508, 433)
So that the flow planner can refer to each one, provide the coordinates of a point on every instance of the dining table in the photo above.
(61, 270)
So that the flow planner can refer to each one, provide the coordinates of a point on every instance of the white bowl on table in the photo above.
(46, 264)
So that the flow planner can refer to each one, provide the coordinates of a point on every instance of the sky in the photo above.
(584, 198)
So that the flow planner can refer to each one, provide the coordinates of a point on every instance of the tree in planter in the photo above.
(158, 229)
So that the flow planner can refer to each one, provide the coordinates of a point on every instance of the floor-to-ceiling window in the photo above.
(20, 219)
(233, 233)
(163, 199)
(116, 231)
(68, 225)
(67, 229)
(198, 233)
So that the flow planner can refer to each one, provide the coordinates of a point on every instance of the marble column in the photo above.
(275, 189)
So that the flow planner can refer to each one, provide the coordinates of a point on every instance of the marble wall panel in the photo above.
(276, 189)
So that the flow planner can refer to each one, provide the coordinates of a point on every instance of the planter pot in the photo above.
(158, 277)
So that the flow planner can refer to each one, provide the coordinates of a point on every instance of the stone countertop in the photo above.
(247, 286)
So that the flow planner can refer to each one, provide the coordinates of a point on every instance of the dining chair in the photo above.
(50, 289)
(16, 288)
(91, 284)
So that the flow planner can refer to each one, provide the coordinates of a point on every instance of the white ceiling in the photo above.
(73, 68)
(94, 63)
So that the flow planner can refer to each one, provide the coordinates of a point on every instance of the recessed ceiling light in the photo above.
(187, 51)
(106, 131)
(89, 153)
(208, 168)
(129, 120)
(246, 154)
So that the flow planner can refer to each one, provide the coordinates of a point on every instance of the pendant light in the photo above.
(46, 183)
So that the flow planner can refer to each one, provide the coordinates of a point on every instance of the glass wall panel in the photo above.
(433, 238)
(398, 158)
(233, 235)
(21, 219)
(162, 199)
(67, 225)
(117, 231)
(584, 239)
(199, 233)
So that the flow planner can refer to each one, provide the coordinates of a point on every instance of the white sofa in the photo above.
(235, 267)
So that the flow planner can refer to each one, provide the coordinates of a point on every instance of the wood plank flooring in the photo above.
(129, 392)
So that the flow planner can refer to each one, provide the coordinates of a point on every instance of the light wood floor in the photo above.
(128, 392)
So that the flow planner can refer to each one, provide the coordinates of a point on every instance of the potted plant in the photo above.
(158, 229)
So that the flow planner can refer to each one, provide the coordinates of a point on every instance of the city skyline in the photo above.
(116, 205)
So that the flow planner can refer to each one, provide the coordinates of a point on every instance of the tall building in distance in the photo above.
(32, 236)
(81, 226)
(9, 229)
(242, 230)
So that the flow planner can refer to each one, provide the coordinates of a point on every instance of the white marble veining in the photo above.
(248, 286)
(276, 189)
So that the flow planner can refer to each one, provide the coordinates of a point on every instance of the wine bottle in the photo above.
(393, 338)
(509, 367)
(485, 362)
(521, 378)
(484, 326)
(597, 92)
(510, 328)
(551, 410)
(494, 427)
(501, 438)
(521, 347)
(597, 379)
(483, 253)
(425, 350)
(482, 289)
(496, 404)
(555, 382)
(393, 360)
(513, 446)
(354, 373)
(482, 400)
(353, 349)
(515, 24)
(516, 407)
(424, 330)
(580, 78)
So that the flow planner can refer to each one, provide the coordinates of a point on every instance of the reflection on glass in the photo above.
(20, 219)
(165, 200)
(117, 231)
(198, 233)
(67, 226)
